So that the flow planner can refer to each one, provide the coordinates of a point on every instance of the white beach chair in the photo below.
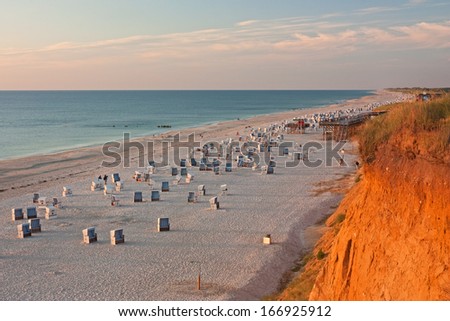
(201, 191)
(224, 189)
(117, 236)
(67, 191)
(17, 214)
(23, 230)
(214, 203)
(56, 203)
(89, 235)
(42, 201)
(50, 212)
(119, 186)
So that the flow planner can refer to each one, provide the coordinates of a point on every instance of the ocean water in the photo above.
(41, 122)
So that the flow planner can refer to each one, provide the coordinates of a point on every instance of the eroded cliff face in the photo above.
(394, 243)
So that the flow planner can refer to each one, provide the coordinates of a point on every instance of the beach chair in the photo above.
(228, 167)
(263, 170)
(115, 178)
(138, 176)
(119, 186)
(297, 156)
(209, 167)
(117, 236)
(192, 198)
(174, 171)
(137, 197)
(17, 214)
(189, 178)
(163, 224)
(177, 180)
(202, 167)
(155, 196)
(240, 161)
(183, 171)
(267, 239)
(183, 163)
(151, 170)
(214, 203)
(285, 151)
(272, 163)
(89, 235)
(35, 225)
(108, 189)
(270, 170)
(164, 186)
(193, 162)
(35, 197)
(146, 177)
(50, 212)
(95, 186)
(23, 230)
(224, 189)
(31, 212)
(151, 163)
(42, 201)
(115, 200)
(201, 191)
(56, 203)
(67, 191)
(216, 170)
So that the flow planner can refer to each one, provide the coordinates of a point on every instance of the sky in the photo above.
(232, 44)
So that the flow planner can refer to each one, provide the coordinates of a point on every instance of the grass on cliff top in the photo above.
(415, 117)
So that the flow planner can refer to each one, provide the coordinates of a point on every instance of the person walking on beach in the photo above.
(105, 178)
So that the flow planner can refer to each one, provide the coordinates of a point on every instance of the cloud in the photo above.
(304, 36)
(246, 23)
(416, 2)
(375, 10)
(426, 35)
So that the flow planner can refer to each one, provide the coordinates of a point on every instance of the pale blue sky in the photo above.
(209, 44)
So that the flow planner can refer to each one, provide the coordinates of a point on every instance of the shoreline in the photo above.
(20, 166)
(235, 264)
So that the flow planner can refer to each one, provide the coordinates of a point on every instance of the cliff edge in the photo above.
(390, 237)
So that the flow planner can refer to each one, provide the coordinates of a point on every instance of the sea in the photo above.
(43, 122)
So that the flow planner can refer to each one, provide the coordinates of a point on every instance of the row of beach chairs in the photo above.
(117, 236)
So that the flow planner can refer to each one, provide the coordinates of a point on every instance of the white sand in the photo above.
(226, 244)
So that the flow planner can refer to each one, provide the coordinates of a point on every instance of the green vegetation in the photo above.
(425, 118)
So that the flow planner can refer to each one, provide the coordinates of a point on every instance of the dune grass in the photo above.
(431, 120)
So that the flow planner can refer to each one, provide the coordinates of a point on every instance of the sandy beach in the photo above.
(224, 244)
